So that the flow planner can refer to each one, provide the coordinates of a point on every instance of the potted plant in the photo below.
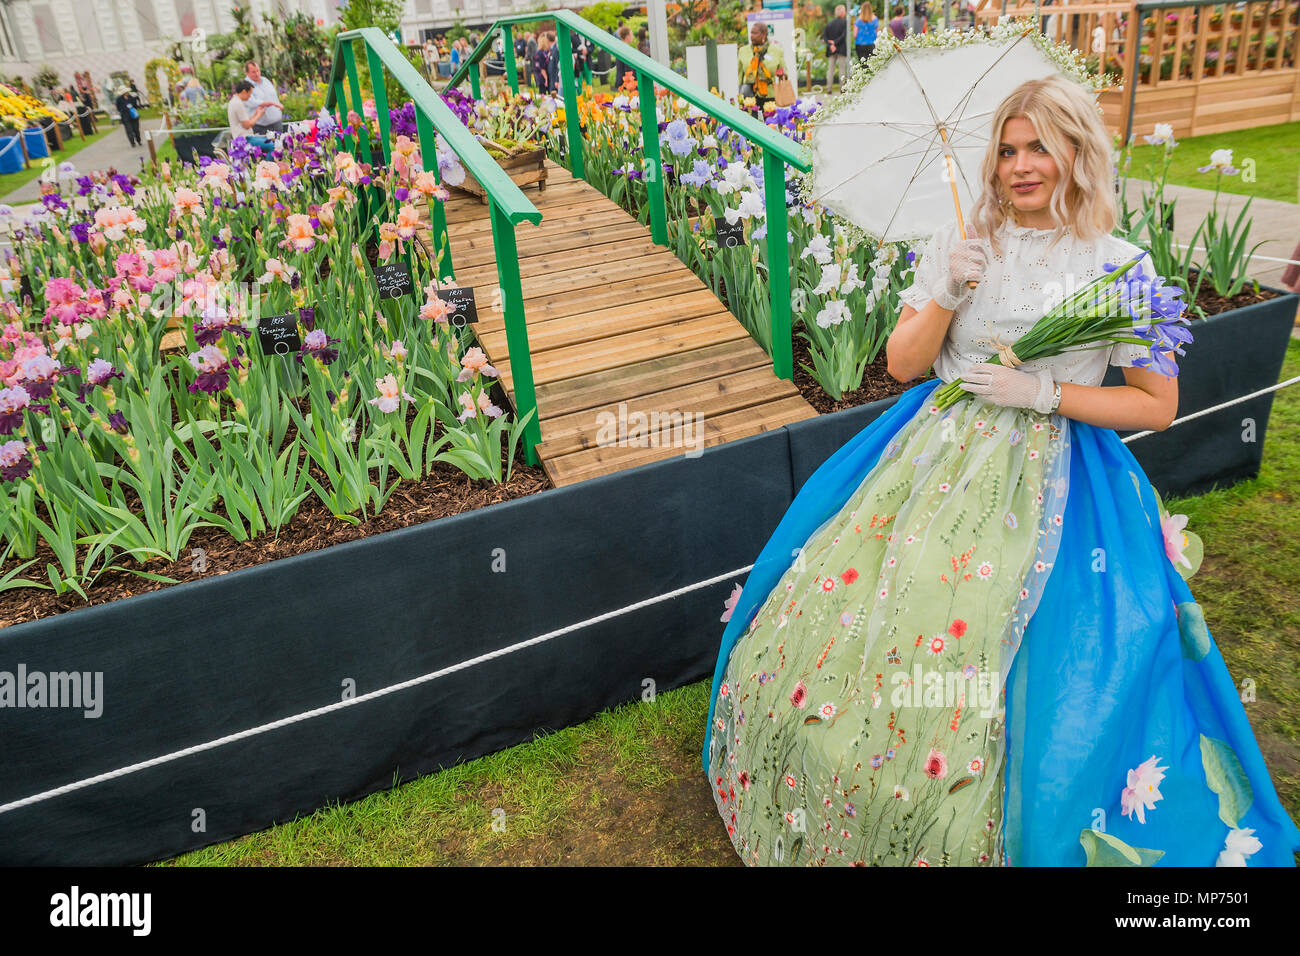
(207, 120)
(513, 130)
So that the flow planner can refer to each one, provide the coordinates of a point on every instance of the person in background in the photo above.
(530, 53)
(643, 40)
(898, 25)
(865, 28)
(431, 58)
(546, 65)
(128, 108)
(1291, 275)
(244, 117)
(86, 89)
(264, 93)
(836, 35)
(621, 69)
(581, 55)
(759, 65)
(918, 22)
(193, 94)
(455, 55)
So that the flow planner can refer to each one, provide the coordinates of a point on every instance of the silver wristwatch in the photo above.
(1056, 400)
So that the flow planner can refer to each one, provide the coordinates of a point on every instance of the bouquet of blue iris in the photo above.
(1119, 306)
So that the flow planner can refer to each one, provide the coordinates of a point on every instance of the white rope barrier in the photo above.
(197, 129)
(352, 702)
(1217, 408)
(1294, 262)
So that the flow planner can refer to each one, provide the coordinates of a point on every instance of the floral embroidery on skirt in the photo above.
(860, 717)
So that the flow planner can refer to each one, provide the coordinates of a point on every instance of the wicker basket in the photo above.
(524, 165)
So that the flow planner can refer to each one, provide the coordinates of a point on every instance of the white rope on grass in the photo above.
(352, 702)
(471, 662)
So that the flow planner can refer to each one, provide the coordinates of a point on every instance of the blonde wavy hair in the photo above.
(1069, 124)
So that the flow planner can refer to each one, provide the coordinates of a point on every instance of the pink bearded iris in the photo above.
(484, 405)
(475, 363)
(408, 220)
(436, 310)
(166, 265)
(217, 176)
(390, 394)
(299, 232)
(188, 203)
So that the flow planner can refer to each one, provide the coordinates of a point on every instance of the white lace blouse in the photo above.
(1020, 284)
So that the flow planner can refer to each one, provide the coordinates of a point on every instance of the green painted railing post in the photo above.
(654, 167)
(475, 85)
(341, 106)
(778, 264)
(437, 214)
(380, 90)
(508, 51)
(512, 305)
(565, 44)
(354, 84)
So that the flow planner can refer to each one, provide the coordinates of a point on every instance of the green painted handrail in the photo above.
(778, 151)
(508, 204)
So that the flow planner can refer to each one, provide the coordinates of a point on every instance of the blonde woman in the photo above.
(967, 641)
(865, 28)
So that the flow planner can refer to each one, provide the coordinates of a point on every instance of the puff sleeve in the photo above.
(929, 268)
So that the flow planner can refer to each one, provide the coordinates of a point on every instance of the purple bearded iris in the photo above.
(213, 367)
(99, 374)
(14, 461)
(700, 175)
(39, 375)
(317, 345)
(13, 402)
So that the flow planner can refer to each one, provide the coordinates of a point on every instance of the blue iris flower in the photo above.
(700, 175)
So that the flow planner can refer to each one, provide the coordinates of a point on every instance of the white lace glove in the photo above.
(967, 261)
(1011, 388)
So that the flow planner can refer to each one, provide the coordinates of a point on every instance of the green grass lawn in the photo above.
(1275, 150)
(11, 181)
(626, 786)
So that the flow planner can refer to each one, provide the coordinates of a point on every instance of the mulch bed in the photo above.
(446, 491)
(1213, 303)
(877, 383)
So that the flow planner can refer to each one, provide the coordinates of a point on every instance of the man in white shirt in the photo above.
(243, 120)
(264, 94)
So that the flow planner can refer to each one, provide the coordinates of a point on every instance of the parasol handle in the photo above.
(952, 181)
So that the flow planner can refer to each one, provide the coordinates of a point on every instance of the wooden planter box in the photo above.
(524, 168)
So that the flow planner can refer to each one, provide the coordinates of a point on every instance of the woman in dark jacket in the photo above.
(128, 108)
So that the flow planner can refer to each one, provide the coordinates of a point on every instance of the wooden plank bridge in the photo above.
(616, 325)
